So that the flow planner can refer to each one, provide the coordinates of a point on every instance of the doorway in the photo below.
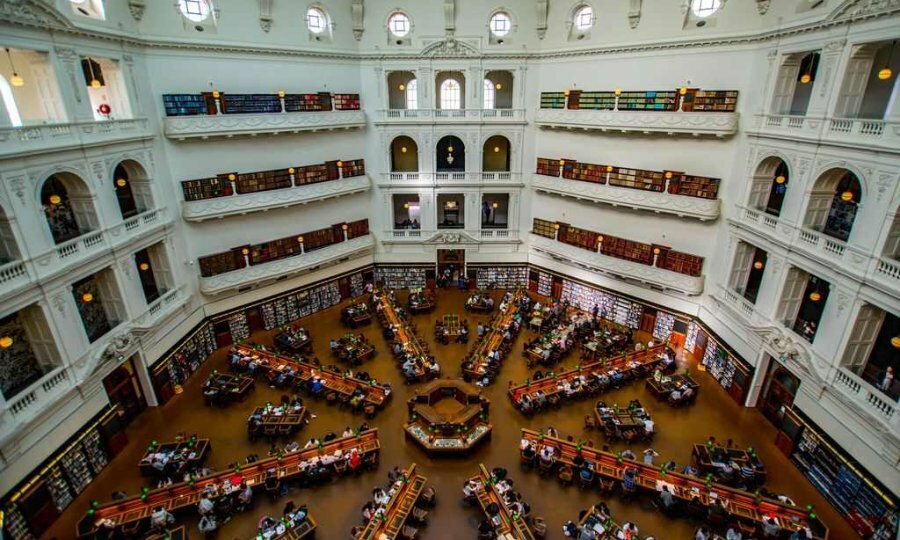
(124, 389)
(778, 393)
(452, 261)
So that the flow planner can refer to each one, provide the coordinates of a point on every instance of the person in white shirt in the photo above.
(733, 533)
(161, 517)
(205, 506)
(648, 426)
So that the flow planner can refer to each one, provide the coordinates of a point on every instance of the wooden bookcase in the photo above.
(311, 174)
(696, 100)
(694, 186)
(307, 102)
(637, 179)
(346, 102)
(249, 103)
(627, 249)
(553, 100)
(274, 250)
(548, 167)
(586, 172)
(354, 167)
(188, 104)
(574, 100)
(648, 100)
(355, 229)
(574, 236)
(543, 228)
(263, 181)
(676, 261)
(206, 188)
(220, 263)
(597, 101)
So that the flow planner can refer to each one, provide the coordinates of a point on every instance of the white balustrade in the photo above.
(431, 116)
(39, 395)
(54, 137)
(865, 133)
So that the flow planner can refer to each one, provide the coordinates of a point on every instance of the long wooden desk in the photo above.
(179, 533)
(420, 302)
(535, 353)
(397, 509)
(229, 387)
(354, 349)
(293, 339)
(550, 385)
(182, 495)
(191, 452)
(704, 457)
(610, 528)
(275, 421)
(661, 388)
(738, 503)
(511, 526)
(304, 529)
(403, 333)
(375, 394)
(356, 314)
(492, 340)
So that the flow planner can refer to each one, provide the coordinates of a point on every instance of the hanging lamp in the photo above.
(884, 73)
(16, 79)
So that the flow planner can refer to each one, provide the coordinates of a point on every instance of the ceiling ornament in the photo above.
(265, 15)
(852, 9)
(32, 13)
(634, 13)
(450, 48)
(542, 7)
(763, 6)
(356, 11)
(136, 7)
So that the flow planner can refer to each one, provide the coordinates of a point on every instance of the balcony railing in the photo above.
(680, 205)
(738, 303)
(31, 401)
(879, 271)
(233, 205)
(718, 124)
(253, 275)
(456, 178)
(868, 133)
(236, 125)
(433, 116)
(629, 270)
(27, 140)
(867, 397)
(67, 255)
(451, 236)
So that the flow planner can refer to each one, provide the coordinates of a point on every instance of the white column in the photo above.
(827, 80)
(771, 285)
(67, 65)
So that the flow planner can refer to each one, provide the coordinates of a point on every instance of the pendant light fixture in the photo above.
(16, 80)
(95, 83)
(806, 78)
(884, 74)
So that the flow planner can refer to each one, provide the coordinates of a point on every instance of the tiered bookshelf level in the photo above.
(697, 100)
(249, 103)
(692, 100)
(205, 104)
(701, 187)
(400, 277)
(307, 102)
(281, 248)
(553, 100)
(226, 184)
(501, 277)
(188, 104)
(620, 248)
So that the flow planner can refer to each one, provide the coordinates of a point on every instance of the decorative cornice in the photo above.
(232, 125)
(268, 200)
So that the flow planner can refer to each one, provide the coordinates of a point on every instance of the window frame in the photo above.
(390, 26)
(320, 13)
(509, 23)
(578, 16)
(451, 95)
(704, 9)
(411, 95)
(196, 18)
(9, 102)
(489, 100)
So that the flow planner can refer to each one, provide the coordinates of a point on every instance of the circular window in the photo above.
(705, 8)
(398, 24)
(194, 10)
(501, 24)
(584, 18)
(316, 20)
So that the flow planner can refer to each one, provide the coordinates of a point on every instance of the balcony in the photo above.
(628, 270)
(450, 236)
(671, 123)
(433, 179)
(262, 201)
(878, 135)
(868, 399)
(452, 116)
(159, 309)
(27, 404)
(679, 205)
(254, 275)
(181, 128)
(880, 272)
(64, 257)
(31, 140)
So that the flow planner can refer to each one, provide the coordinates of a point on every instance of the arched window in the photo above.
(194, 10)
(398, 24)
(316, 20)
(412, 95)
(500, 24)
(450, 98)
(489, 94)
(705, 8)
(10, 103)
(584, 18)
(59, 211)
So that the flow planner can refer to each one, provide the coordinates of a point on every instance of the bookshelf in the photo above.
(663, 326)
(585, 172)
(649, 100)
(637, 179)
(543, 228)
(630, 250)
(545, 284)
(250, 103)
(263, 181)
(238, 326)
(400, 277)
(696, 100)
(548, 167)
(311, 174)
(355, 229)
(553, 100)
(182, 361)
(357, 285)
(694, 186)
(354, 167)
(220, 263)
(572, 102)
(691, 339)
(322, 238)
(187, 105)
(501, 277)
(598, 101)
(578, 237)
(683, 263)
(610, 307)
(346, 102)
(274, 250)
(206, 188)
(307, 102)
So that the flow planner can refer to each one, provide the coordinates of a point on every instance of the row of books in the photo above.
(208, 103)
(238, 257)
(672, 182)
(683, 99)
(620, 248)
(226, 184)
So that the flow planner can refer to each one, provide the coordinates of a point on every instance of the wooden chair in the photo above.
(340, 467)
(539, 527)
(419, 515)
(427, 498)
(565, 475)
(409, 533)
(589, 422)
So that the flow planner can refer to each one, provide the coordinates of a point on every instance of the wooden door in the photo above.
(778, 393)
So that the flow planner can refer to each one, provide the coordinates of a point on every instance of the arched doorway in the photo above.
(833, 203)
(450, 154)
(404, 154)
(495, 154)
(132, 188)
(402, 90)
(770, 183)
(67, 207)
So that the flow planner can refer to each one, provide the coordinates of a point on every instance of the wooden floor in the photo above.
(337, 506)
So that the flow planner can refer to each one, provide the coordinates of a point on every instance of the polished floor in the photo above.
(337, 505)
